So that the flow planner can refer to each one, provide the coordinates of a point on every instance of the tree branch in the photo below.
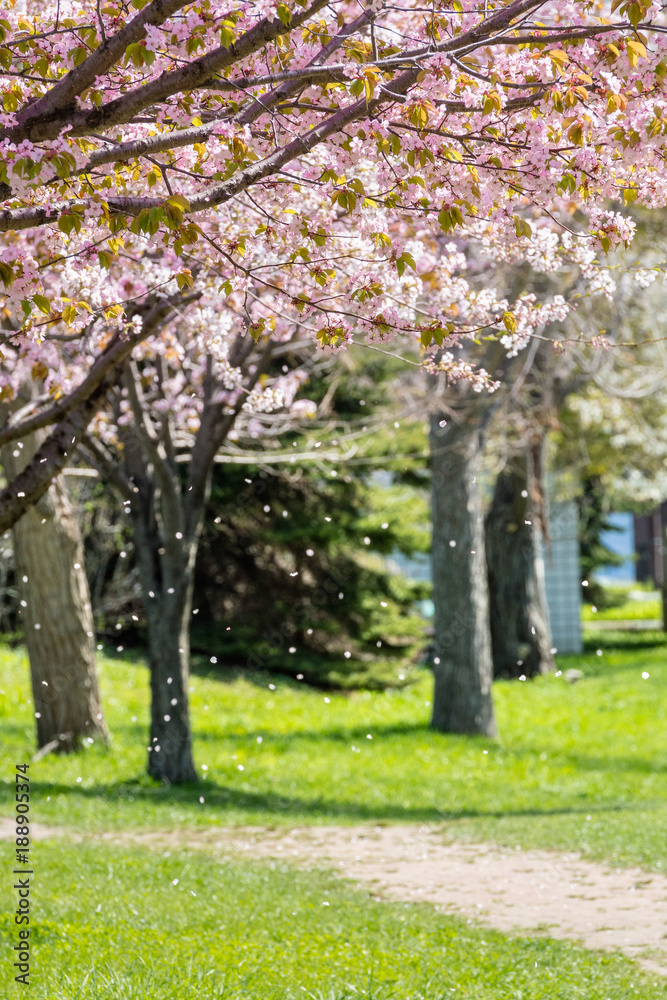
(31, 484)
(48, 113)
(123, 109)
(109, 470)
(490, 30)
(214, 427)
(310, 74)
(167, 477)
(115, 353)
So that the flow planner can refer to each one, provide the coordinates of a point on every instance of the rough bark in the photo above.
(659, 526)
(166, 566)
(520, 633)
(462, 701)
(57, 614)
(170, 749)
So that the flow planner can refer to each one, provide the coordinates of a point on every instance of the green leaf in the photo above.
(521, 227)
(445, 220)
(178, 201)
(6, 274)
(509, 322)
(66, 224)
(42, 303)
(184, 280)
(406, 259)
(69, 313)
(227, 34)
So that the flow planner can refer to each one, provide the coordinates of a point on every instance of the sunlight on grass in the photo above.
(628, 611)
(125, 924)
(576, 765)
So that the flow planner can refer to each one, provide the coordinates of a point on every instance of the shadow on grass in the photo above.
(449, 742)
(588, 763)
(342, 734)
(613, 640)
(223, 798)
(337, 738)
(331, 674)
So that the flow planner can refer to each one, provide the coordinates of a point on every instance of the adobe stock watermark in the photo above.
(22, 873)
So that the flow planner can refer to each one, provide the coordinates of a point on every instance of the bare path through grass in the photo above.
(558, 894)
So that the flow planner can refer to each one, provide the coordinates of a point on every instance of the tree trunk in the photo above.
(520, 632)
(56, 613)
(167, 593)
(462, 666)
(167, 523)
(170, 751)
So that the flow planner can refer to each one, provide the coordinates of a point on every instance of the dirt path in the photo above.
(547, 892)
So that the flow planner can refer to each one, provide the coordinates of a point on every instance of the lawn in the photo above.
(123, 924)
(626, 603)
(576, 765)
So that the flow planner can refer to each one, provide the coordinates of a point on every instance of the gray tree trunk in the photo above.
(56, 612)
(167, 576)
(167, 519)
(170, 754)
(520, 633)
(462, 701)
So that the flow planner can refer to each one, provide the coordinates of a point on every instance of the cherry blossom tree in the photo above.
(154, 438)
(300, 168)
(328, 136)
(175, 405)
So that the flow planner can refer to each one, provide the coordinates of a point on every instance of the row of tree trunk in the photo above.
(488, 590)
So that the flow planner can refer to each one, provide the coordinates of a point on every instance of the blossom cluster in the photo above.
(314, 169)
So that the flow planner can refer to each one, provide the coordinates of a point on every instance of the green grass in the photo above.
(576, 766)
(124, 924)
(633, 610)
